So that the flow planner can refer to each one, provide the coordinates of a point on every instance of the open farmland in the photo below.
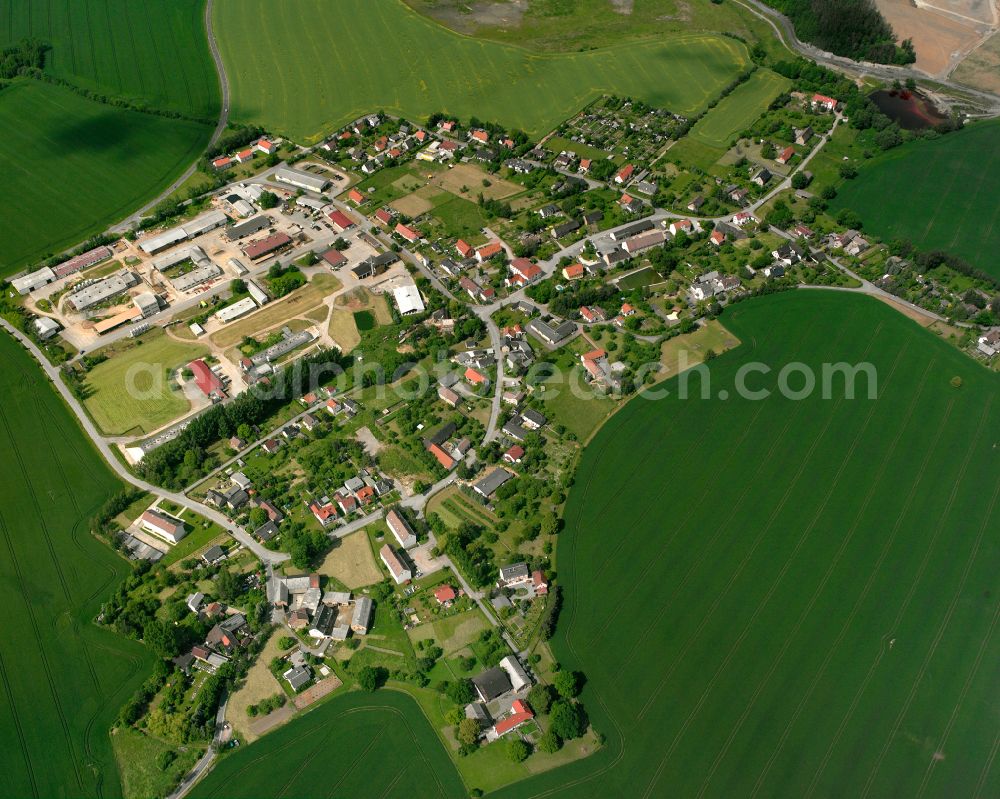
(818, 623)
(62, 680)
(738, 110)
(354, 745)
(806, 608)
(950, 191)
(420, 67)
(149, 369)
(71, 166)
(153, 52)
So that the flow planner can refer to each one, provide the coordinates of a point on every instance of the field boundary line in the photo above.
(734, 731)
(987, 767)
(949, 613)
(857, 603)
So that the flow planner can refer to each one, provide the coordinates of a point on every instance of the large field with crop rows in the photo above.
(149, 51)
(939, 194)
(62, 679)
(71, 166)
(299, 69)
(806, 608)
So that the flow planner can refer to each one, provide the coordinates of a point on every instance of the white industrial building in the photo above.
(196, 277)
(147, 303)
(46, 328)
(300, 179)
(98, 291)
(35, 280)
(408, 299)
(189, 230)
(259, 295)
(236, 310)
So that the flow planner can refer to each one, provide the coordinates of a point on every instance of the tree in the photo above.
(267, 199)
(800, 180)
(567, 683)
(460, 692)
(567, 719)
(370, 678)
(468, 732)
(540, 697)
(227, 585)
(257, 517)
(517, 750)
(550, 743)
(285, 643)
(848, 171)
(244, 431)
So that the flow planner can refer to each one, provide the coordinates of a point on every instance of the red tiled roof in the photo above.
(341, 220)
(356, 196)
(519, 715)
(444, 593)
(407, 233)
(488, 250)
(323, 512)
(206, 379)
(474, 376)
(463, 247)
(268, 245)
(334, 257)
(573, 270)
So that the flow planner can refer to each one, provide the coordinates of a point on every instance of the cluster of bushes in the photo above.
(284, 280)
(266, 706)
(26, 56)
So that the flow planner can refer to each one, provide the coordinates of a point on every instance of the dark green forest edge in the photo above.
(852, 28)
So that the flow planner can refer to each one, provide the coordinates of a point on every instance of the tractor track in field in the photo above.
(899, 615)
(25, 750)
(736, 645)
(886, 547)
(734, 731)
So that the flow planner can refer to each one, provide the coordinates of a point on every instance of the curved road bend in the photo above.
(220, 126)
(266, 555)
(785, 30)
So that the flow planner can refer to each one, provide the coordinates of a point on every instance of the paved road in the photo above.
(220, 126)
(785, 30)
(206, 759)
(104, 447)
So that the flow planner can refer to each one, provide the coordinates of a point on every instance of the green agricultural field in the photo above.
(63, 679)
(148, 368)
(73, 166)
(420, 67)
(950, 191)
(804, 591)
(356, 744)
(737, 111)
(153, 52)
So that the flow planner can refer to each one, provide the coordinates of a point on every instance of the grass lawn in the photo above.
(277, 313)
(556, 144)
(693, 152)
(407, 75)
(113, 159)
(133, 390)
(950, 190)
(259, 684)
(571, 402)
(711, 336)
(640, 277)
(64, 678)
(737, 111)
(343, 329)
(461, 218)
(136, 753)
(351, 562)
(802, 602)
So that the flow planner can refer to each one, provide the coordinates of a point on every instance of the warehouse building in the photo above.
(248, 228)
(185, 232)
(35, 280)
(299, 179)
(196, 277)
(98, 291)
(267, 246)
(236, 310)
(259, 295)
